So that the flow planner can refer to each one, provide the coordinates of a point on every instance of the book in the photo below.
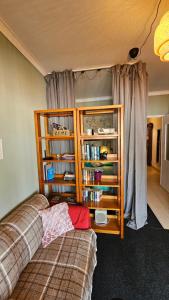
(108, 177)
(49, 171)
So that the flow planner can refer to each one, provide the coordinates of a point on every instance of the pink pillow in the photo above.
(56, 221)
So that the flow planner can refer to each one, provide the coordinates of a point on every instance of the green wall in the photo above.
(93, 84)
(158, 105)
(93, 103)
(22, 90)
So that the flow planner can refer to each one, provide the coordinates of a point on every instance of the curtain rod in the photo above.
(92, 69)
(87, 69)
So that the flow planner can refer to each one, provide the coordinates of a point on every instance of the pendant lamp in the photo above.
(161, 38)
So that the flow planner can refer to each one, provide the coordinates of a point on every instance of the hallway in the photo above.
(158, 198)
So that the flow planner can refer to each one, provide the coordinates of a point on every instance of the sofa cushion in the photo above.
(20, 236)
(56, 221)
(63, 270)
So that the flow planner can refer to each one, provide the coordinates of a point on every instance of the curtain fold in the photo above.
(60, 94)
(129, 87)
(60, 89)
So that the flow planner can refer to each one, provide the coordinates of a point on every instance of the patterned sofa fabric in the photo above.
(63, 270)
(20, 237)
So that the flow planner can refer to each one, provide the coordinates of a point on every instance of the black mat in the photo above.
(136, 268)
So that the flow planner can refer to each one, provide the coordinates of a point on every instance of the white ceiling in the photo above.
(80, 34)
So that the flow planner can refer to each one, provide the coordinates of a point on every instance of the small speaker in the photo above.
(101, 217)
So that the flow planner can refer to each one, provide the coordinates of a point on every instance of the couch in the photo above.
(63, 270)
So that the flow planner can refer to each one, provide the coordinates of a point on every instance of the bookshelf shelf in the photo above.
(101, 161)
(59, 160)
(113, 226)
(59, 181)
(99, 137)
(104, 204)
(109, 183)
(58, 137)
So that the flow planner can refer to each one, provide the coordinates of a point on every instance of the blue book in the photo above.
(49, 171)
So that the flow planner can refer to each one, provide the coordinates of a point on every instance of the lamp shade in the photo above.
(161, 38)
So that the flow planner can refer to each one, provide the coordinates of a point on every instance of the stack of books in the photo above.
(111, 156)
(108, 178)
(69, 176)
(68, 156)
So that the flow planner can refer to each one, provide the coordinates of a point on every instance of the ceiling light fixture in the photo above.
(161, 38)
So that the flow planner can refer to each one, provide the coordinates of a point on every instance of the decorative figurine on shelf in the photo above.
(103, 131)
(103, 155)
(58, 126)
(58, 129)
(98, 174)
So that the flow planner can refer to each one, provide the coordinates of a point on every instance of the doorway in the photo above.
(158, 197)
(154, 129)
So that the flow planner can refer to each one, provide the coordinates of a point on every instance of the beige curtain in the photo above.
(60, 94)
(129, 87)
(60, 89)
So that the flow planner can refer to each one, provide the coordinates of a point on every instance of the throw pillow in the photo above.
(56, 221)
(80, 216)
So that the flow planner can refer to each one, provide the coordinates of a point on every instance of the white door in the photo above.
(164, 178)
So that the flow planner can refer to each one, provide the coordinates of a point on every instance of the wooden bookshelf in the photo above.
(43, 135)
(112, 204)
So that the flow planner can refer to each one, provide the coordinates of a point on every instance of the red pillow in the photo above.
(80, 216)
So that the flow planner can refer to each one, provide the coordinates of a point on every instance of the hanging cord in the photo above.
(151, 26)
(139, 49)
(83, 74)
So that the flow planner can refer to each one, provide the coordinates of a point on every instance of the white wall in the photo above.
(22, 90)
(164, 178)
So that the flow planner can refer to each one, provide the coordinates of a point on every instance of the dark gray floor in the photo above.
(136, 268)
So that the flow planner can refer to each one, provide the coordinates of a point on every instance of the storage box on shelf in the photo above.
(105, 193)
(49, 132)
